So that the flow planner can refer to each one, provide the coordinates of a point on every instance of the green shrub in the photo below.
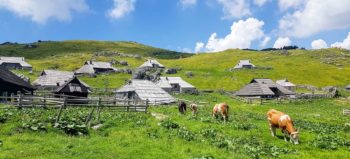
(169, 124)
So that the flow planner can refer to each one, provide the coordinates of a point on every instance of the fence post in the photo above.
(147, 103)
(20, 101)
(261, 101)
(98, 108)
(61, 109)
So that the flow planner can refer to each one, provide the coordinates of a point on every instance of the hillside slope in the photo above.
(51, 48)
(211, 71)
(314, 67)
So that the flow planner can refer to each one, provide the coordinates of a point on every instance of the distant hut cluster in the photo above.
(12, 84)
(93, 68)
(175, 84)
(14, 63)
(264, 88)
(143, 90)
(244, 64)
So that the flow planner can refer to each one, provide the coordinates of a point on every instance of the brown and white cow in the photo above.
(194, 108)
(281, 120)
(221, 109)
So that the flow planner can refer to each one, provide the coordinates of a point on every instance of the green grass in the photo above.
(138, 135)
(49, 49)
(300, 67)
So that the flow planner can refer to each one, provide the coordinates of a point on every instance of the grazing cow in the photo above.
(182, 107)
(194, 108)
(221, 109)
(281, 120)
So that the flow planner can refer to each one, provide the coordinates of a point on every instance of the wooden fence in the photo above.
(25, 101)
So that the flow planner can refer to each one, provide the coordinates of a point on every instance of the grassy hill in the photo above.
(314, 67)
(51, 48)
(211, 71)
(31, 133)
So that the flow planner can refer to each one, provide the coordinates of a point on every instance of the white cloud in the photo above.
(265, 41)
(345, 44)
(199, 47)
(285, 4)
(281, 42)
(121, 8)
(243, 33)
(235, 8)
(40, 11)
(316, 16)
(260, 2)
(318, 44)
(187, 3)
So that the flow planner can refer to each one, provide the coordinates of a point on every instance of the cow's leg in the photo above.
(273, 130)
(285, 135)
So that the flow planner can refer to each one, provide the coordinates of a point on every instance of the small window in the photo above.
(73, 87)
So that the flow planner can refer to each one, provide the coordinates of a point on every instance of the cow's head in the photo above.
(294, 137)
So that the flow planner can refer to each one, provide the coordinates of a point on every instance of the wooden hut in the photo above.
(52, 79)
(151, 63)
(286, 84)
(175, 84)
(73, 88)
(10, 83)
(244, 64)
(142, 90)
(14, 63)
(264, 88)
(94, 67)
(347, 88)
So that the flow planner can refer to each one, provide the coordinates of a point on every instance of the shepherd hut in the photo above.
(52, 79)
(175, 84)
(151, 63)
(264, 88)
(244, 64)
(142, 90)
(10, 83)
(93, 67)
(286, 84)
(14, 63)
(347, 87)
(73, 88)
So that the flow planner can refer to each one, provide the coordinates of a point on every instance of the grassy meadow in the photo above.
(33, 133)
(140, 135)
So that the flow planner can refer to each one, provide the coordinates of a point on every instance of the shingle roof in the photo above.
(19, 60)
(52, 77)
(89, 67)
(147, 90)
(10, 77)
(262, 86)
(165, 82)
(244, 63)
(255, 89)
(285, 83)
(151, 62)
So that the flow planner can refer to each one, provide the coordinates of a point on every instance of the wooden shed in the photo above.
(73, 88)
(286, 84)
(10, 83)
(14, 63)
(175, 84)
(142, 90)
(264, 88)
(94, 67)
(244, 64)
(151, 63)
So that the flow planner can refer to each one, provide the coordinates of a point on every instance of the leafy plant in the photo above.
(329, 142)
(169, 124)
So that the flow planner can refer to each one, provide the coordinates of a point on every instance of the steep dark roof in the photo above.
(75, 79)
(10, 77)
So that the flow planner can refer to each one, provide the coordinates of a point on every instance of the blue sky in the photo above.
(182, 25)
